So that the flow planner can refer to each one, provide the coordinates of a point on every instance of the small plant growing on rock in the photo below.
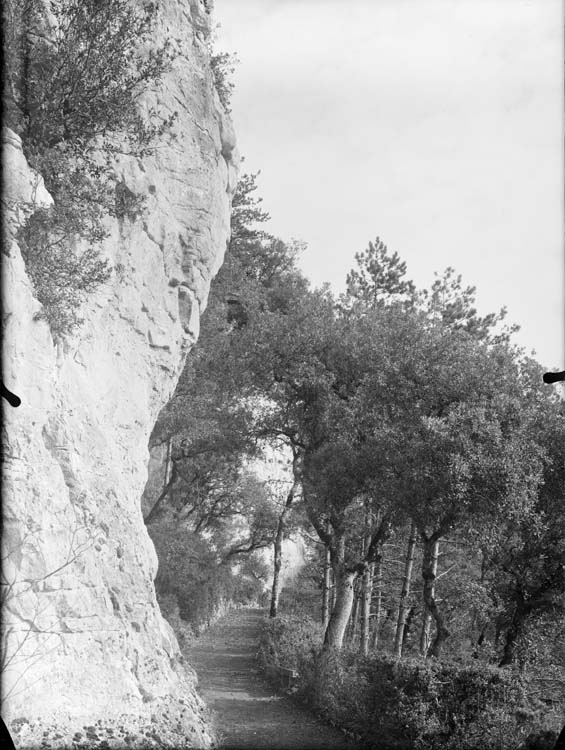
(223, 67)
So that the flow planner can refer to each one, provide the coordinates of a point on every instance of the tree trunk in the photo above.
(326, 587)
(166, 490)
(366, 589)
(405, 593)
(332, 593)
(168, 461)
(277, 565)
(279, 536)
(513, 633)
(367, 586)
(407, 629)
(378, 589)
(344, 594)
(352, 625)
(431, 610)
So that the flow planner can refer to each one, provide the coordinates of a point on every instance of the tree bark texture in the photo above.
(378, 589)
(326, 588)
(366, 589)
(366, 592)
(344, 594)
(431, 610)
(354, 620)
(405, 592)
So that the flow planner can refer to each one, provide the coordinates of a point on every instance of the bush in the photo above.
(290, 641)
(223, 67)
(411, 704)
(62, 277)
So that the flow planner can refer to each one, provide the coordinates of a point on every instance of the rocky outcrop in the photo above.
(86, 651)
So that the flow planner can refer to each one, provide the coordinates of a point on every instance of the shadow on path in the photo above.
(248, 711)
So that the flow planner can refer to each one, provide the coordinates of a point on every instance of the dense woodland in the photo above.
(425, 476)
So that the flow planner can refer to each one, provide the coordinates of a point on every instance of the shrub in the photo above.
(290, 640)
(223, 67)
(411, 704)
(61, 276)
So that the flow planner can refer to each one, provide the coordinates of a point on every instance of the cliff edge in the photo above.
(88, 659)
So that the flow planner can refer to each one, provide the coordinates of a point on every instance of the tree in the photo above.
(282, 528)
(378, 278)
(524, 549)
(461, 456)
(309, 364)
(452, 307)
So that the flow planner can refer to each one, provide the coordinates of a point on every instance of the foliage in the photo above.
(61, 274)
(223, 67)
(194, 584)
(72, 83)
(452, 306)
(288, 640)
(405, 704)
(80, 81)
(378, 278)
(525, 550)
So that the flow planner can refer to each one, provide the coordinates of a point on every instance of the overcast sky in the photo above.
(433, 124)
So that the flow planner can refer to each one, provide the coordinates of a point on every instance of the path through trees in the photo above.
(248, 712)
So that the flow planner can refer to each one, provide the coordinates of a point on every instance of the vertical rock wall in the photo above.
(85, 648)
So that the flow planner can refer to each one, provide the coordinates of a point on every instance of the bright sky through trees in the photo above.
(434, 124)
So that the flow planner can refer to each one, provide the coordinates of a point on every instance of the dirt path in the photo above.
(248, 711)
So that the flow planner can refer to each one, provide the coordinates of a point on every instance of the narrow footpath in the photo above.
(248, 712)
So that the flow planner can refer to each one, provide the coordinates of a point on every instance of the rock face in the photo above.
(85, 647)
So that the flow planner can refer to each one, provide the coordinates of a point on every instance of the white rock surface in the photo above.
(86, 648)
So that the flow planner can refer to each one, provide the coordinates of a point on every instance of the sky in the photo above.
(435, 125)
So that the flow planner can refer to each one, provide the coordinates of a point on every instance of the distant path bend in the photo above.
(248, 711)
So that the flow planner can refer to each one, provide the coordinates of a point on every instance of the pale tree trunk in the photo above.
(326, 587)
(378, 587)
(431, 610)
(345, 576)
(332, 592)
(351, 629)
(366, 591)
(279, 537)
(405, 593)
(344, 594)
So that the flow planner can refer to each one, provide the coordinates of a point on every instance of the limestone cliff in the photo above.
(85, 647)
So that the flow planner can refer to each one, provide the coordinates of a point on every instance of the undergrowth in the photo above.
(412, 704)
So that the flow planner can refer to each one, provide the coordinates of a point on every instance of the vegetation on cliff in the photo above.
(74, 72)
